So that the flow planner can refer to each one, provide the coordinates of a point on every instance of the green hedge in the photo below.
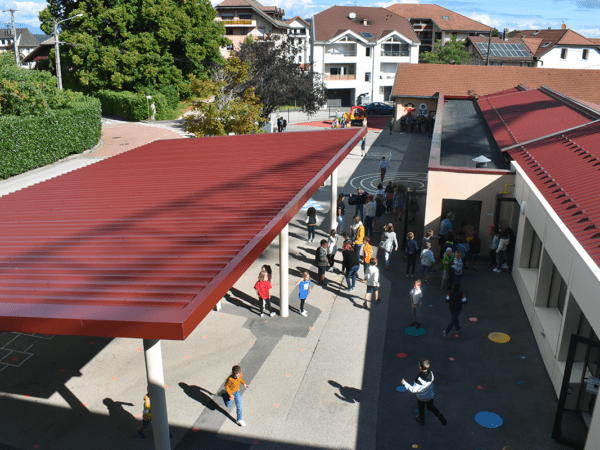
(28, 142)
(131, 105)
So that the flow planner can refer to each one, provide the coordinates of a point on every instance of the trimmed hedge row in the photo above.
(33, 141)
(132, 105)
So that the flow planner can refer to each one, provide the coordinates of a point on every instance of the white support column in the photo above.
(333, 209)
(284, 294)
(156, 391)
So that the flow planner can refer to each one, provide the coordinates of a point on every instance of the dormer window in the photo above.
(545, 44)
(535, 32)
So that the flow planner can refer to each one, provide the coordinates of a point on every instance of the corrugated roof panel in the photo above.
(144, 244)
(569, 160)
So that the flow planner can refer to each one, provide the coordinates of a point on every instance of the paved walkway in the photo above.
(326, 381)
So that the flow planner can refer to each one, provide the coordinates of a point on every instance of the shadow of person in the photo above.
(239, 298)
(200, 395)
(123, 423)
(347, 394)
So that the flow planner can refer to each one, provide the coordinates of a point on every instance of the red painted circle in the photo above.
(451, 359)
(479, 387)
(401, 355)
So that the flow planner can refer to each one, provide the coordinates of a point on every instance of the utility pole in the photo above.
(14, 31)
(489, 49)
(57, 55)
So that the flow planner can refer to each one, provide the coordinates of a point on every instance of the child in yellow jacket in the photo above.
(367, 254)
(232, 387)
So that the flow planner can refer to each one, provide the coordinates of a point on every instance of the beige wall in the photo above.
(402, 101)
(465, 186)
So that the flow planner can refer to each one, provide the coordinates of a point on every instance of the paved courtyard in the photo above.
(326, 381)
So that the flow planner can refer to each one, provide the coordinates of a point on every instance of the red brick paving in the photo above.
(119, 138)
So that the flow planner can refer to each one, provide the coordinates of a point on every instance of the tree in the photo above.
(134, 44)
(451, 53)
(234, 108)
(495, 32)
(278, 80)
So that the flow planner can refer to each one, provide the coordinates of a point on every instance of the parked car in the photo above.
(379, 109)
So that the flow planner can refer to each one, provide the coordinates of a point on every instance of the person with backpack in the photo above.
(455, 299)
(427, 260)
(359, 199)
(312, 221)
(411, 254)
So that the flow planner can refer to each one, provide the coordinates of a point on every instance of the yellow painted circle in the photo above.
(415, 446)
(499, 338)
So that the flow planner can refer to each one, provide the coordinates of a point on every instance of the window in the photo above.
(227, 16)
(445, 17)
(229, 31)
(299, 58)
(535, 252)
(558, 291)
(244, 31)
(245, 16)
(368, 77)
(368, 52)
(586, 53)
(563, 53)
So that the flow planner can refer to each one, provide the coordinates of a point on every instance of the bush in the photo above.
(131, 105)
(31, 141)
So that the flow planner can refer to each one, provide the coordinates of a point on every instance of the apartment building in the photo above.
(299, 34)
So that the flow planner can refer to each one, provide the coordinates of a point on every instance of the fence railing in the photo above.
(340, 77)
(391, 53)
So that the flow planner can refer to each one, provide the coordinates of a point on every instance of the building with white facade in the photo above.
(357, 50)
(560, 49)
(248, 17)
(299, 34)
(26, 41)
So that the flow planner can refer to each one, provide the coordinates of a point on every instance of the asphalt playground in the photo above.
(327, 381)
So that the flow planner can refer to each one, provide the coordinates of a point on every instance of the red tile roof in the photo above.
(551, 37)
(145, 243)
(455, 21)
(335, 20)
(289, 21)
(595, 40)
(526, 115)
(566, 169)
(455, 81)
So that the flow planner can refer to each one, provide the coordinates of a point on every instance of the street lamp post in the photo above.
(56, 51)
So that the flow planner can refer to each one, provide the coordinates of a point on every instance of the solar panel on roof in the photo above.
(367, 35)
(503, 50)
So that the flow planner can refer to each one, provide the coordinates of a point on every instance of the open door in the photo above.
(578, 392)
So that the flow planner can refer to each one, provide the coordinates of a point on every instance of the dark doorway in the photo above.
(579, 390)
(345, 95)
(469, 210)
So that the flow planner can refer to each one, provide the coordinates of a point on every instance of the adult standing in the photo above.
(399, 201)
(411, 254)
(279, 125)
(358, 233)
(423, 387)
(389, 197)
(360, 203)
(391, 125)
(383, 167)
(341, 214)
(370, 210)
(445, 227)
(350, 265)
(455, 299)
(388, 243)
(321, 260)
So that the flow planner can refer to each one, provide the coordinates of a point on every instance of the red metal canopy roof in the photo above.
(145, 243)
(566, 169)
(526, 115)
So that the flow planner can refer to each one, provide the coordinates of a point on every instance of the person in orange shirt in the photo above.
(232, 387)
(367, 253)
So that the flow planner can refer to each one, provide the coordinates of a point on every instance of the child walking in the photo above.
(423, 387)
(447, 262)
(146, 418)
(263, 290)
(332, 248)
(312, 221)
(416, 303)
(305, 289)
(411, 254)
(367, 252)
(232, 388)
(372, 277)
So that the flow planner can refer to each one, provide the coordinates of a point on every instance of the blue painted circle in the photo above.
(414, 331)
(431, 306)
(401, 389)
(488, 419)
(519, 382)
(522, 357)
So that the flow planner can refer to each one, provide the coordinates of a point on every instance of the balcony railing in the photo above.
(346, 53)
(340, 77)
(391, 53)
(237, 22)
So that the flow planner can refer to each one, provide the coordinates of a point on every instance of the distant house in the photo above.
(248, 17)
(357, 49)
(41, 52)
(560, 49)
(26, 41)
(299, 33)
(505, 52)
(432, 23)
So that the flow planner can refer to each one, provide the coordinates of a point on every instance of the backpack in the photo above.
(411, 246)
(379, 210)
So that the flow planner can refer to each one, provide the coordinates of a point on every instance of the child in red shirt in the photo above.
(263, 289)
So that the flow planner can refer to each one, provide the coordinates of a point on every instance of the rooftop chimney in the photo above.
(563, 26)
(506, 34)
(365, 22)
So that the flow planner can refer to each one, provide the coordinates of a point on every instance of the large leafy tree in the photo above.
(133, 44)
(277, 79)
(233, 107)
(452, 52)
